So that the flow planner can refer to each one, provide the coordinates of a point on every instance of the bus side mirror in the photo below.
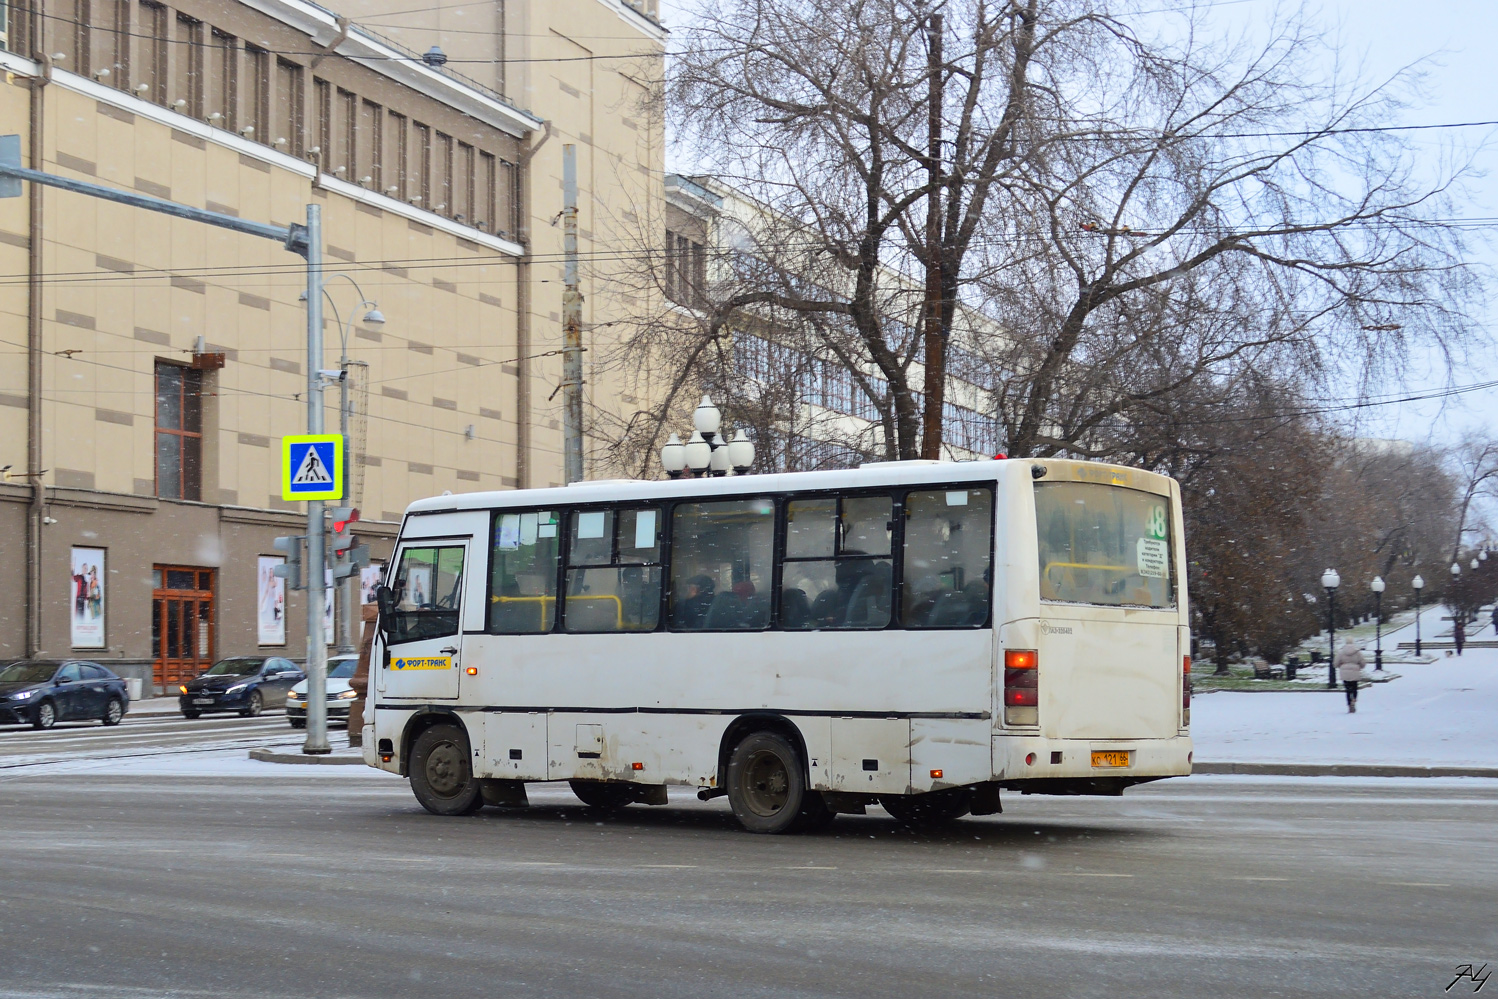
(385, 598)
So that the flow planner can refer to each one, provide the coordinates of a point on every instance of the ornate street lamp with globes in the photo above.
(1331, 580)
(1377, 586)
(707, 451)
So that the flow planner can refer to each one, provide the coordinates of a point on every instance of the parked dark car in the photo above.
(247, 684)
(46, 691)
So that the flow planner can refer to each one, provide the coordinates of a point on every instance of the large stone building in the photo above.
(151, 363)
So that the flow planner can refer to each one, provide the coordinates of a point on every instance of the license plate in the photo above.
(202, 700)
(1110, 757)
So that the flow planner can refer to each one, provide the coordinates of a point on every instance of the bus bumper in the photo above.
(1118, 761)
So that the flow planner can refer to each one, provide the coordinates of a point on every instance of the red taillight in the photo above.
(1186, 690)
(1021, 678)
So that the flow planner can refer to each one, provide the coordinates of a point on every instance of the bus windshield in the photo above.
(1102, 544)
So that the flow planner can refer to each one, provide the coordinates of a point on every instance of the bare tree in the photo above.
(1138, 204)
(1476, 461)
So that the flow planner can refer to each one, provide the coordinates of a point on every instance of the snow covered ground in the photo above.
(1443, 713)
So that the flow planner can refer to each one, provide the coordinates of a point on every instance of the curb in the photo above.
(270, 756)
(1340, 770)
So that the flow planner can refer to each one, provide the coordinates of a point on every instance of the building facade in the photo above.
(151, 363)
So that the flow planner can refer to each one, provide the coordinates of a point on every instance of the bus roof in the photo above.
(867, 476)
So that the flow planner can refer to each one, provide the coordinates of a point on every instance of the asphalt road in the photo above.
(337, 884)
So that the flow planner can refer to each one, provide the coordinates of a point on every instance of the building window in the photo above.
(370, 135)
(179, 432)
(397, 156)
(423, 195)
(153, 44)
(487, 183)
(258, 67)
(346, 133)
(224, 70)
(462, 206)
(686, 270)
(443, 187)
(83, 13)
(188, 84)
(322, 95)
(289, 103)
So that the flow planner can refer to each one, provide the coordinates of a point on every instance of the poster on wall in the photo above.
(329, 625)
(87, 592)
(271, 619)
(370, 577)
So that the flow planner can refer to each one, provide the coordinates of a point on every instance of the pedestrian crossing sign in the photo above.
(312, 467)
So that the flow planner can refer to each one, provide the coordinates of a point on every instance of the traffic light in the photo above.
(291, 569)
(347, 556)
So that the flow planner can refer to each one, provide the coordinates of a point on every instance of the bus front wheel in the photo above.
(441, 772)
(767, 784)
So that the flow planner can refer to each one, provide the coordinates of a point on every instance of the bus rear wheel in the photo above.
(933, 808)
(603, 795)
(442, 774)
(767, 784)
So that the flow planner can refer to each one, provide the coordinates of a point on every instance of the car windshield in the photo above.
(342, 669)
(33, 672)
(235, 667)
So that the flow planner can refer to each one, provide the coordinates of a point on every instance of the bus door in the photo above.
(424, 645)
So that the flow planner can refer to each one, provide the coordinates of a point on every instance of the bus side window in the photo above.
(947, 575)
(523, 572)
(613, 571)
(837, 571)
(721, 556)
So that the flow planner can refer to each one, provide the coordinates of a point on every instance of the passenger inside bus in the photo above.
(721, 556)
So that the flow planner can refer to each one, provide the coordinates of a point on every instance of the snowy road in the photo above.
(1442, 713)
(232, 886)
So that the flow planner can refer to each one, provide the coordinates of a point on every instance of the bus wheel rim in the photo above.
(766, 783)
(445, 770)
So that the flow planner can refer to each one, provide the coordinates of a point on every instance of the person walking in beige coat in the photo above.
(1350, 664)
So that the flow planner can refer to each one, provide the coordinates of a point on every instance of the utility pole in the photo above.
(935, 348)
(572, 325)
(317, 651)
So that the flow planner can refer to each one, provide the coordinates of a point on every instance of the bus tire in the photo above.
(442, 774)
(767, 784)
(933, 808)
(603, 795)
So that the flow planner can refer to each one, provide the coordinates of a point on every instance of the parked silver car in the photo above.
(340, 694)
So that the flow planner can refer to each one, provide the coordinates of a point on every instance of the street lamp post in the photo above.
(344, 614)
(1378, 623)
(1418, 584)
(1456, 613)
(707, 451)
(1331, 581)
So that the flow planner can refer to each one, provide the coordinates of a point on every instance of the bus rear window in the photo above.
(1103, 544)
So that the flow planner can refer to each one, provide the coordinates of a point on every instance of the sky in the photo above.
(1453, 41)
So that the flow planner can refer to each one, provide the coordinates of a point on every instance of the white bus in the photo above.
(916, 634)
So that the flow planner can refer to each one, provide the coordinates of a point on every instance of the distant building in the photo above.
(153, 363)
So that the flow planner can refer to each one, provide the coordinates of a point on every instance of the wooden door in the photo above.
(181, 624)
